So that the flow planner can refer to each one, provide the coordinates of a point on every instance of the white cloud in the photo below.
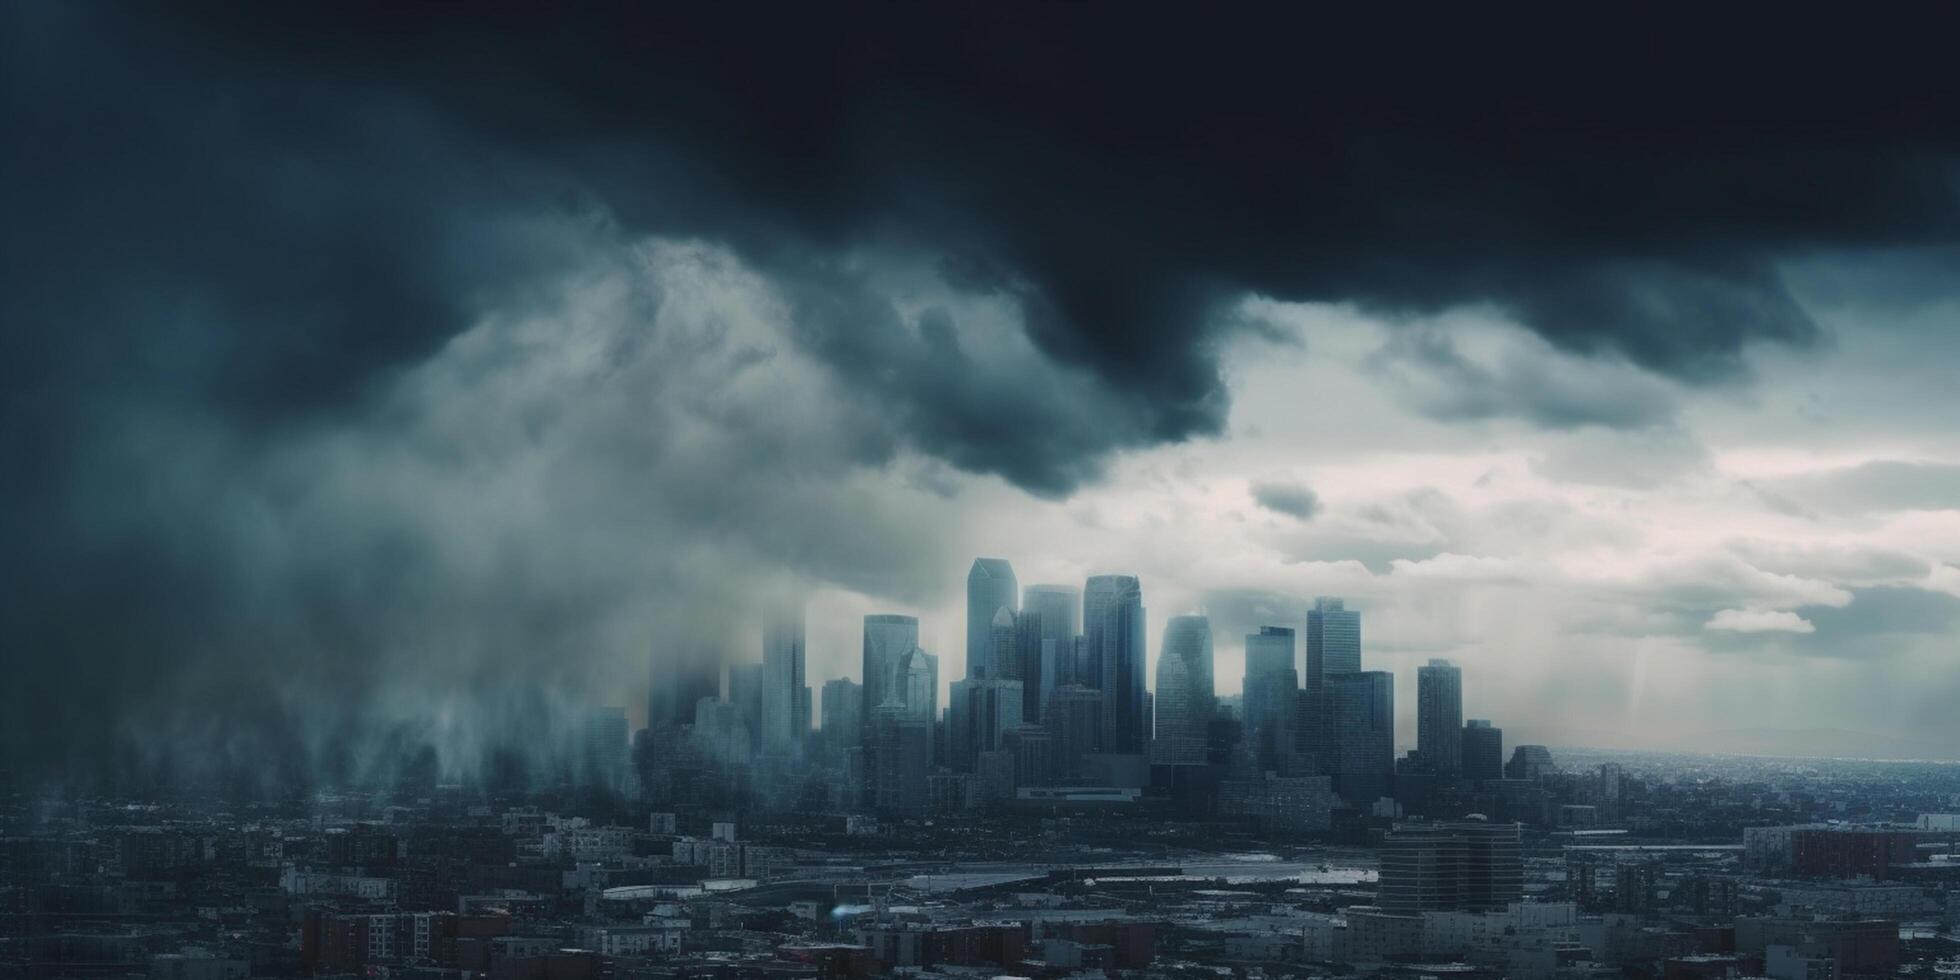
(1759, 621)
(1944, 578)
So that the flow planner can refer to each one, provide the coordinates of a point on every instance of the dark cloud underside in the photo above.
(231, 231)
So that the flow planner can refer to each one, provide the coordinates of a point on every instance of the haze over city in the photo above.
(844, 491)
(378, 387)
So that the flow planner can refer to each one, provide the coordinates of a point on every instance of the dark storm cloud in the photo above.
(1425, 366)
(1295, 500)
(237, 240)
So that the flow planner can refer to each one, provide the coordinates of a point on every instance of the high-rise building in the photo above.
(843, 713)
(603, 749)
(1032, 655)
(680, 675)
(990, 587)
(1033, 749)
(1185, 701)
(1272, 685)
(1113, 642)
(1055, 611)
(1073, 718)
(785, 718)
(1333, 647)
(1362, 706)
(1333, 641)
(887, 639)
(745, 694)
(899, 758)
(1467, 866)
(1439, 717)
(1003, 655)
(980, 711)
(917, 684)
(1483, 750)
(1529, 762)
(719, 733)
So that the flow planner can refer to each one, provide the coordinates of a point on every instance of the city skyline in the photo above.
(421, 409)
(1408, 710)
(941, 491)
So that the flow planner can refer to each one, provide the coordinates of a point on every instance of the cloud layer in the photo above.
(363, 371)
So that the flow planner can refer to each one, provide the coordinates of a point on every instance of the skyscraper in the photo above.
(843, 713)
(1185, 701)
(1112, 634)
(990, 587)
(785, 695)
(1049, 615)
(1333, 647)
(887, 638)
(1073, 718)
(981, 710)
(1362, 706)
(1483, 750)
(1272, 685)
(1031, 658)
(917, 684)
(745, 693)
(603, 749)
(1439, 717)
(899, 758)
(1003, 655)
(1333, 641)
(679, 676)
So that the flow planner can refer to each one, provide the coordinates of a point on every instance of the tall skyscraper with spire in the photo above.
(1186, 702)
(990, 587)
(1439, 717)
(1113, 657)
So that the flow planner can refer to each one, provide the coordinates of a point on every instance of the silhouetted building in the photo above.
(1483, 750)
(785, 695)
(1362, 710)
(887, 640)
(1439, 718)
(603, 749)
(680, 676)
(1184, 697)
(1113, 642)
(843, 712)
(900, 758)
(1056, 612)
(1529, 762)
(1272, 696)
(1333, 647)
(1073, 717)
(990, 587)
(980, 711)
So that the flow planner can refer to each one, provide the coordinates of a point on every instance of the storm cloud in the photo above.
(288, 297)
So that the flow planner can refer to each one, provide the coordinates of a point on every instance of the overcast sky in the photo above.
(380, 381)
